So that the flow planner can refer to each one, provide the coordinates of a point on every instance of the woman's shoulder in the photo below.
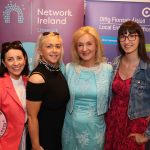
(106, 66)
(70, 66)
(5, 78)
(148, 65)
(147, 70)
(1, 79)
(116, 60)
(36, 78)
(37, 68)
(5, 82)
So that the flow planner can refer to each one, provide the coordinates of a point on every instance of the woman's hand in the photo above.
(148, 118)
(38, 148)
(41, 148)
(139, 138)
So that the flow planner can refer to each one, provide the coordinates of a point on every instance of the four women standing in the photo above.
(89, 78)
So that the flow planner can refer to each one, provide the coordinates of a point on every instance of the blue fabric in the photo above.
(84, 128)
(103, 75)
(62, 68)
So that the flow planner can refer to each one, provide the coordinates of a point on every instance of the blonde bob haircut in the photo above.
(40, 41)
(91, 31)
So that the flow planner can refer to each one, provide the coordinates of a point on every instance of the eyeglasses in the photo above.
(130, 37)
(47, 33)
(14, 44)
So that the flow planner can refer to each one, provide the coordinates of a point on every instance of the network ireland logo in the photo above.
(11, 8)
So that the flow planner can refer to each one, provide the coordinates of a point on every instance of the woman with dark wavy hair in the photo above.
(13, 76)
(128, 118)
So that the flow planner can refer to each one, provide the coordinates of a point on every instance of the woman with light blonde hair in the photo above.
(99, 51)
(39, 44)
(88, 77)
(47, 94)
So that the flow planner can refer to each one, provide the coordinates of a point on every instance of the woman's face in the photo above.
(129, 42)
(51, 50)
(86, 49)
(15, 62)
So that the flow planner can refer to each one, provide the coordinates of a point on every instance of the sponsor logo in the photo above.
(146, 12)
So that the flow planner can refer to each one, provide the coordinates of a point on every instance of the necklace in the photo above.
(49, 67)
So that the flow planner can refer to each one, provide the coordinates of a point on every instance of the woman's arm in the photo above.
(33, 108)
(33, 125)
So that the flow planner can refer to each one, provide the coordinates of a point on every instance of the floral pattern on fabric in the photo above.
(118, 125)
(83, 128)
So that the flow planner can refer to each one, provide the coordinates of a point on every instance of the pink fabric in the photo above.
(14, 112)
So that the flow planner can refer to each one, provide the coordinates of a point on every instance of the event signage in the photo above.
(107, 16)
(25, 20)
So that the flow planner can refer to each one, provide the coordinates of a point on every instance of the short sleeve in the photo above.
(35, 92)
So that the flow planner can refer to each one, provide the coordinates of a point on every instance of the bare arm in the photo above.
(33, 125)
(33, 108)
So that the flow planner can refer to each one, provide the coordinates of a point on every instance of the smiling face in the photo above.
(86, 48)
(51, 49)
(14, 61)
(130, 43)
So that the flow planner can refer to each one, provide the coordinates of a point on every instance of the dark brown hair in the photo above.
(133, 27)
(5, 47)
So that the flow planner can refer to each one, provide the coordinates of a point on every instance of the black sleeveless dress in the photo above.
(54, 94)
